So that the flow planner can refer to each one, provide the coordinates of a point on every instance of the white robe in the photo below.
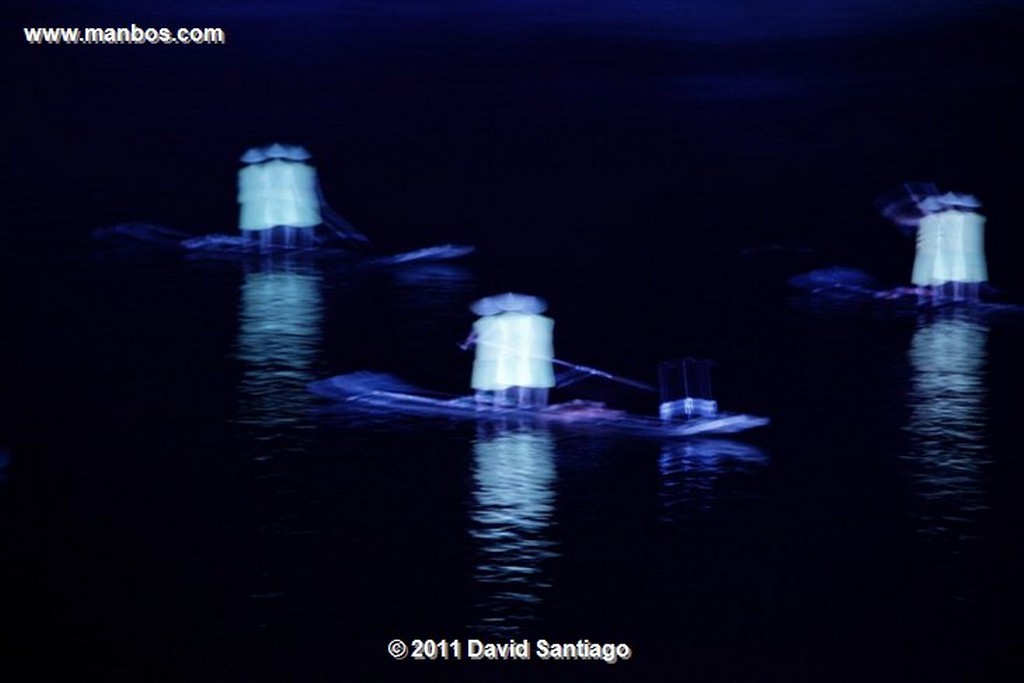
(513, 350)
(950, 248)
(278, 193)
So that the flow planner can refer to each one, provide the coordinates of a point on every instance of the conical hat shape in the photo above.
(254, 156)
(276, 151)
(948, 200)
(508, 302)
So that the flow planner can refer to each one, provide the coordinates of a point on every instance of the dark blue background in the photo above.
(174, 510)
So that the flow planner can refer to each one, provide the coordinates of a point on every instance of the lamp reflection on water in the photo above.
(690, 472)
(511, 522)
(947, 426)
(279, 339)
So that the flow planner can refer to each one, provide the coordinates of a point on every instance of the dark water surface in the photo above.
(174, 506)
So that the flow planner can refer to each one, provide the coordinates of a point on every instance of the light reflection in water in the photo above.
(279, 339)
(948, 425)
(511, 518)
(279, 344)
(690, 471)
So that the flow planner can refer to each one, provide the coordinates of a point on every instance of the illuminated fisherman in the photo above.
(279, 197)
(950, 258)
(514, 351)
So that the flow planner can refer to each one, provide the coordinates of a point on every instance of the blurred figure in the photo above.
(950, 259)
(949, 264)
(280, 203)
(514, 351)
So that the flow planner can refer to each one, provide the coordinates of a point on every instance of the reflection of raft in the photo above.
(382, 394)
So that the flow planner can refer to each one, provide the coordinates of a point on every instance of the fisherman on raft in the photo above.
(514, 363)
(282, 206)
(950, 260)
(277, 191)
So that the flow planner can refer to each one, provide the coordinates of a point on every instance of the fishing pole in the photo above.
(575, 366)
(606, 375)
